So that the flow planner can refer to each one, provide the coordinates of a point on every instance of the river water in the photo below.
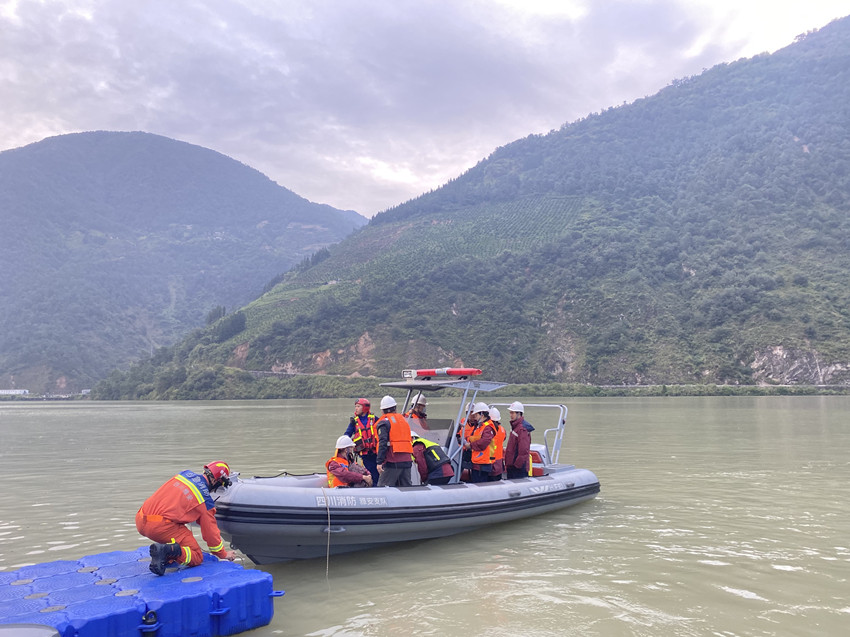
(718, 516)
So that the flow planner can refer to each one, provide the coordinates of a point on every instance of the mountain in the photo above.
(700, 235)
(115, 244)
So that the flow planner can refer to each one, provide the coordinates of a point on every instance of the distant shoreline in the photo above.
(355, 388)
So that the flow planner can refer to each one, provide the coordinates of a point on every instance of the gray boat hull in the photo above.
(296, 517)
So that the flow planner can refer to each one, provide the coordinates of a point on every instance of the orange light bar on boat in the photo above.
(442, 371)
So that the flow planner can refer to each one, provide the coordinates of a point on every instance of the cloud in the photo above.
(365, 104)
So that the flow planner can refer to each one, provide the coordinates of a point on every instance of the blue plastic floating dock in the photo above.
(115, 595)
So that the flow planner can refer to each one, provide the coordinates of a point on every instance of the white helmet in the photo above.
(387, 402)
(495, 415)
(479, 407)
(516, 406)
(344, 442)
(420, 400)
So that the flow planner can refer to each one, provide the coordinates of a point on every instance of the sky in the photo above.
(361, 104)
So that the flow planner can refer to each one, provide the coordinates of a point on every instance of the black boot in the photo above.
(162, 554)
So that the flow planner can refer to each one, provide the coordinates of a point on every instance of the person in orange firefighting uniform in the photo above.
(183, 499)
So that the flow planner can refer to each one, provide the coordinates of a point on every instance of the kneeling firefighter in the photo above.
(183, 499)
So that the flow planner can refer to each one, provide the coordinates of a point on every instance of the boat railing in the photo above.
(450, 438)
(552, 437)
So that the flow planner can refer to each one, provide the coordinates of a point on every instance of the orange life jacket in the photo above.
(498, 444)
(399, 438)
(333, 481)
(467, 428)
(422, 422)
(487, 454)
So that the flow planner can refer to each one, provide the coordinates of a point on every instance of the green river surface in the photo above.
(717, 516)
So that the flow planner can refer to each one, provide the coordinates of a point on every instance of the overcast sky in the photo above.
(361, 104)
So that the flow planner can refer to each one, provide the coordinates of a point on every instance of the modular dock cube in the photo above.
(115, 595)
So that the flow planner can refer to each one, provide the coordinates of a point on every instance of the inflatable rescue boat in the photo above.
(288, 517)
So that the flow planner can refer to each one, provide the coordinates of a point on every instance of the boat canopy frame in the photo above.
(470, 389)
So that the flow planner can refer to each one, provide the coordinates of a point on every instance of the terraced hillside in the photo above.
(700, 235)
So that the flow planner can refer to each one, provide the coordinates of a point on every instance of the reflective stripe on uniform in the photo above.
(192, 487)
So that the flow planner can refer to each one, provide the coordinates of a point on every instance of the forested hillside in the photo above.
(700, 235)
(116, 244)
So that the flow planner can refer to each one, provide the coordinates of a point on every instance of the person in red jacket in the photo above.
(342, 470)
(481, 445)
(183, 499)
(517, 460)
(432, 462)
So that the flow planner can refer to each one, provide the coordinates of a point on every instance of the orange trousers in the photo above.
(165, 531)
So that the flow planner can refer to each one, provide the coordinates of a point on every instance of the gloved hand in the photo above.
(226, 555)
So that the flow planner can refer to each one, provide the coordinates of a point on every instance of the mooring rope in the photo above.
(328, 531)
(286, 473)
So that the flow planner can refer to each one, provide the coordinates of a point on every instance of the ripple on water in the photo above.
(742, 593)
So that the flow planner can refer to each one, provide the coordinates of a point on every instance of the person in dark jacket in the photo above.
(395, 450)
(517, 452)
(432, 461)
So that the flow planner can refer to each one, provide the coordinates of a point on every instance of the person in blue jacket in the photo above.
(361, 429)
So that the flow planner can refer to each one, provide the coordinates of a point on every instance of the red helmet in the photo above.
(364, 402)
(218, 473)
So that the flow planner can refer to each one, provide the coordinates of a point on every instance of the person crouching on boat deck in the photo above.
(499, 448)
(342, 470)
(361, 429)
(482, 446)
(517, 454)
(183, 499)
(417, 412)
(432, 461)
(394, 447)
